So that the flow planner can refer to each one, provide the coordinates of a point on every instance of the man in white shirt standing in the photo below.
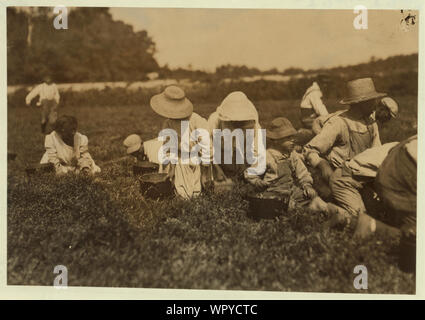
(48, 100)
(311, 104)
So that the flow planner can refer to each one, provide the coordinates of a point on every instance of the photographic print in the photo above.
(212, 148)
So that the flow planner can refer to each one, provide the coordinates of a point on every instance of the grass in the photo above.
(106, 235)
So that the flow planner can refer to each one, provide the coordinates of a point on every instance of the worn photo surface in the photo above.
(216, 149)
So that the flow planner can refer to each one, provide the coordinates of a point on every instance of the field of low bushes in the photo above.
(107, 235)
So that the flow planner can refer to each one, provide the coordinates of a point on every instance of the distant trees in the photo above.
(93, 48)
(97, 48)
(234, 71)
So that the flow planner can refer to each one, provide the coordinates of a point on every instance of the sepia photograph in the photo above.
(212, 148)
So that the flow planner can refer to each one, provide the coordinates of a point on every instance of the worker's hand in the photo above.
(325, 169)
(309, 192)
(74, 162)
(218, 173)
(206, 176)
(171, 172)
(260, 184)
(85, 171)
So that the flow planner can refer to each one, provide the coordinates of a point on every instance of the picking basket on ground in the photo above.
(156, 185)
(266, 206)
(144, 167)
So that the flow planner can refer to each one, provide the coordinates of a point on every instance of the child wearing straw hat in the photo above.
(189, 178)
(386, 109)
(67, 149)
(349, 133)
(142, 150)
(286, 173)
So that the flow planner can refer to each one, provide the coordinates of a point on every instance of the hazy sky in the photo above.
(207, 38)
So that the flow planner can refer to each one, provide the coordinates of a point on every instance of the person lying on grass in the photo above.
(189, 179)
(286, 173)
(349, 181)
(389, 170)
(67, 149)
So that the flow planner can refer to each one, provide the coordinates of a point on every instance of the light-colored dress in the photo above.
(61, 155)
(187, 176)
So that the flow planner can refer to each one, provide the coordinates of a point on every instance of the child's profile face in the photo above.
(287, 145)
(382, 114)
(139, 154)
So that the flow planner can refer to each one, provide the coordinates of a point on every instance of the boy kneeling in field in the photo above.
(142, 150)
(67, 149)
(286, 173)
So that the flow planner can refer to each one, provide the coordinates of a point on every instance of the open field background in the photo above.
(107, 236)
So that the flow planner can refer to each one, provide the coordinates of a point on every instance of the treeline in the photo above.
(96, 48)
(93, 48)
(398, 63)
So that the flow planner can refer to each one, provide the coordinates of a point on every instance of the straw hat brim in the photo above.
(280, 134)
(172, 109)
(375, 95)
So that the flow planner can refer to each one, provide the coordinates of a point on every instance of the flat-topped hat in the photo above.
(237, 107)
(172, 103)
(392, 106)
(280, 128)
(133, 143)
(360, 90)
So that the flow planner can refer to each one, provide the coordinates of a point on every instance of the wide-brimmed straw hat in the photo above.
(133, 143)
(280, 128)
(361, 90)
(237, 107)
(172, 103)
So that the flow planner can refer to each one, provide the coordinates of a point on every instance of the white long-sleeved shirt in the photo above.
(60, 154)
(312, 99)
(44, 91)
